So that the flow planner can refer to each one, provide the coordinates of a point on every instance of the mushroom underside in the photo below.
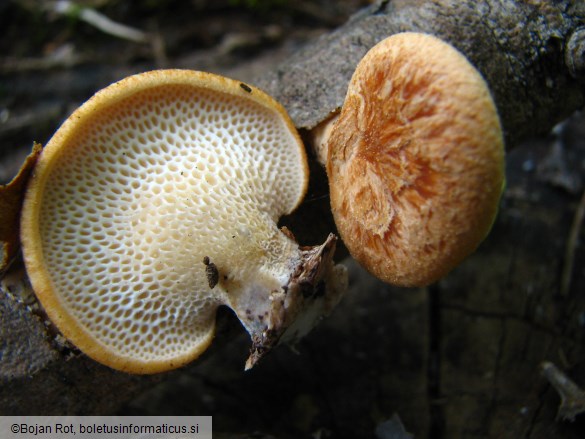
(147, 179)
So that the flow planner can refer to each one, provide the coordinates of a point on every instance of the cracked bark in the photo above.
(497, 316)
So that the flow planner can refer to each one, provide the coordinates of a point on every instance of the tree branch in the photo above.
(521, 48)
(531, 54)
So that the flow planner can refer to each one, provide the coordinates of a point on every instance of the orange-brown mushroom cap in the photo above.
(415, 160)
(140, 184)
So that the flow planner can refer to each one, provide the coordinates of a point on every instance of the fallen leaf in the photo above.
(11, 198)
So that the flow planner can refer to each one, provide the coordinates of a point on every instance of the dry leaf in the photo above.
(11, 198)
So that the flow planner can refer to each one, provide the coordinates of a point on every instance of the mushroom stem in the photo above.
(319, 137)
(312, 291)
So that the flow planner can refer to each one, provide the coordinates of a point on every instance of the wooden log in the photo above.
(459, 359)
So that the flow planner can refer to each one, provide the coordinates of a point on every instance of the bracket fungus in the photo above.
(415, 160)
(156, 202)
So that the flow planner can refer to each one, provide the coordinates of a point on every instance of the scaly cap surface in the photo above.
(415, 160)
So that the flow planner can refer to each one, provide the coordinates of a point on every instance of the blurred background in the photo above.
(458, 359)
(56, 54)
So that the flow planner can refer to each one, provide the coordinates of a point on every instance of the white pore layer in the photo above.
(147, 190)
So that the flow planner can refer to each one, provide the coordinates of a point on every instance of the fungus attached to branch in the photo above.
(11, 196)
(415, 160)
(150, 177)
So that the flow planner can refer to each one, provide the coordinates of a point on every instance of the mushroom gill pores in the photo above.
(149, 178)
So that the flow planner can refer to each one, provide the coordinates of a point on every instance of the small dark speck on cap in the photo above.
(245, 87)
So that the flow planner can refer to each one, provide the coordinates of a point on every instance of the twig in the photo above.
(159, 50)
(571, 246)
(572, 397)
(64, 57)
(100, 21)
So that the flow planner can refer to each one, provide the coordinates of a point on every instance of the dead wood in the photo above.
(459, 359)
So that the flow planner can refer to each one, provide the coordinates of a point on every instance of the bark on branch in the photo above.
(531, 52)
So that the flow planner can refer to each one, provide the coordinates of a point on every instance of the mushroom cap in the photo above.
(415, 160)
(143, 181)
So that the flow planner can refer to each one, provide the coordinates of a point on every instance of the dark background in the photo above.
(458, 359)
